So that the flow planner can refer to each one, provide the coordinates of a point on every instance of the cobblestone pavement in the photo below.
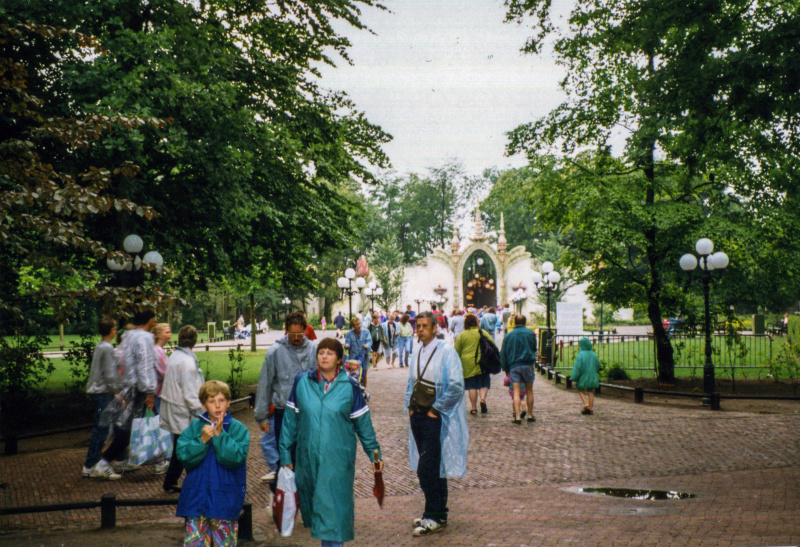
(522, 485)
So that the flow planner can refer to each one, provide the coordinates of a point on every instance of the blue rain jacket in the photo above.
(449, 379)
(216, 478)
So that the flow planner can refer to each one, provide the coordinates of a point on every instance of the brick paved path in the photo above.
(520, 489)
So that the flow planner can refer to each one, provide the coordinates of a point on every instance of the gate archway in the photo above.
(479, 281)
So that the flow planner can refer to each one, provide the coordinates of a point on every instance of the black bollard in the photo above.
(12, 446)
(108, 511)
(246, 522)
(638, 395)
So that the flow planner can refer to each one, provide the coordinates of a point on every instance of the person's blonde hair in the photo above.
(212, 388)
(159, 328)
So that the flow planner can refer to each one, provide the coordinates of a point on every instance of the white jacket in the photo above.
(180, 401)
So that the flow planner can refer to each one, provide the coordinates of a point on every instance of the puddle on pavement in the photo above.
(637, 494)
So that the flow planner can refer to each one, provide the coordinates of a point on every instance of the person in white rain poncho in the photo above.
(438, 433)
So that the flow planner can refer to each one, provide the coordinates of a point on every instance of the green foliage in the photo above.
(614, 372)
(23, 368)
(79, 356)
(236, 360)
(387, 261)
(51, 189)
(793, 331)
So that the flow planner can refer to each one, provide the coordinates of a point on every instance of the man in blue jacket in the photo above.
(517, 359)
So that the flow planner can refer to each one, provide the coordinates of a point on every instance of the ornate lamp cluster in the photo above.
(350, 285)
(708, 262)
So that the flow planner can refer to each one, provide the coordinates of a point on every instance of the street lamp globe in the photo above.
(554, 277)
(372, 285)
(342, 283)
(154, 260)
(350, 273)
(132, 244)
(379, 291)
(688, 262)
(360, 282)
(115, 266)
(537, 278)
(547, 267)
(719, 260)
(706, 264)
(704, 246)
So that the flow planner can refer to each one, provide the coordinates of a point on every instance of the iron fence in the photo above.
(742, 355)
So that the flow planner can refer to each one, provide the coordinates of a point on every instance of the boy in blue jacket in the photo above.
(213, 449)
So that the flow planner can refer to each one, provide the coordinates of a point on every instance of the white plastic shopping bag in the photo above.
(149, 443)
(284, 503)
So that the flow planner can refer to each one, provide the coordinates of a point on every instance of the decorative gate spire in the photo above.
(479, 235)
(455, 243)
(502, 244)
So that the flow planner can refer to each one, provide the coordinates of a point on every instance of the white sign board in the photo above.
(569, 318)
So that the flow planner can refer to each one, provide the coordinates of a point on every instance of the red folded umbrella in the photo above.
(378, 489)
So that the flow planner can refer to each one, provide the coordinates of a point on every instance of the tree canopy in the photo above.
(246, 175)
(704, 95)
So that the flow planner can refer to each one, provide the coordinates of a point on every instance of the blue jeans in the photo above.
(404, 343)
(269, 447)
(99, 434)
(427, 433)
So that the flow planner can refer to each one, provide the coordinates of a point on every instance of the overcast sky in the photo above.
(447, 80)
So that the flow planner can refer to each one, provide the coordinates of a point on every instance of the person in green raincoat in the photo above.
(584, 374)
(325, 413)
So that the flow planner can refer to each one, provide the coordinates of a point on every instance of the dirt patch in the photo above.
(755, 388)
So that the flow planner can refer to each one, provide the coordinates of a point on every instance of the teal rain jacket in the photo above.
(449, 378)
(322, 428)
(586, 367)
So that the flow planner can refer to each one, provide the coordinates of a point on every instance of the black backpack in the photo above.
(489, 355)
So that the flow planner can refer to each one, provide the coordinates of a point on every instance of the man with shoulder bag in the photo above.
(438, 433)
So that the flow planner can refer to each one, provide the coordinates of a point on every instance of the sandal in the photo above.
(523, 414)
(473, 412)
(586, 410)
(484, 410)
(516, 421)
(531, 419)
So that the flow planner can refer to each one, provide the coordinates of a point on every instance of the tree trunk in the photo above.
(253, 322)
(664, 353)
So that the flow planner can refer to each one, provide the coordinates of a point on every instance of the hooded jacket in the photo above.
(282, 363)
(216, 478)
(586, 367)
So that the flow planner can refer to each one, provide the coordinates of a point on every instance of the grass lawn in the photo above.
(638, 358)
(54, 343)
(215, 365)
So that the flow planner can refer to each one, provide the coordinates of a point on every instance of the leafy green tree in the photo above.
(250, 168)
(703, 96)
(50, 258)
(387, 267)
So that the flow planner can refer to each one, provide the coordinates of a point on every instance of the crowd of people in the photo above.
(312, 410)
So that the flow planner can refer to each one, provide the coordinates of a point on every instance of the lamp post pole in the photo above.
(708, 262)
(286, 303)
(419, 300)
(547, 280)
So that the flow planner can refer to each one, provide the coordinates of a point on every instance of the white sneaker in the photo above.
(269, 476)
(105, 473)
(87, 472)
(427, 527)
(160, 468)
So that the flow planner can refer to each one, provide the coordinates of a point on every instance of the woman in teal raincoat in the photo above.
(584, 374)
(325, 413)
